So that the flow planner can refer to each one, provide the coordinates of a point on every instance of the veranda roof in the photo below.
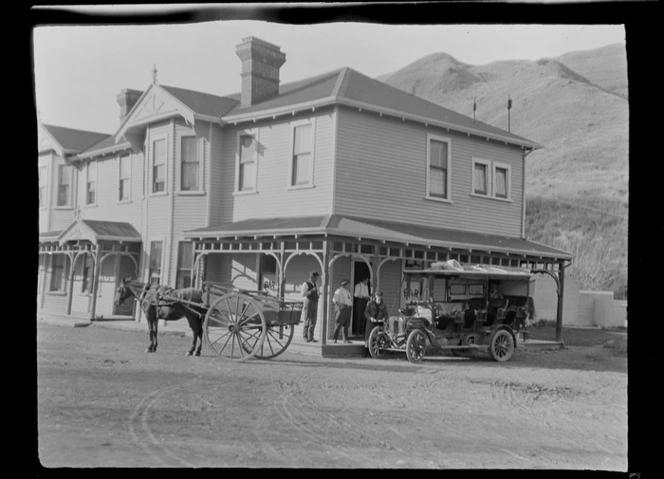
(95, 231)
(371, 229)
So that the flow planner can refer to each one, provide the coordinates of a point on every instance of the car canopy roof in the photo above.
(453, 268)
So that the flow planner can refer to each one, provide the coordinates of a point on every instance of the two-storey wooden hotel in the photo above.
(338, 173)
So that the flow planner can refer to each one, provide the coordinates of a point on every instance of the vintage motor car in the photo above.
(454, 307)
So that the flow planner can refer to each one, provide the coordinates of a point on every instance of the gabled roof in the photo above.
(356, 227)
(105, 146)
(350, 87)
(203, 103)
(95, 230)
(71, 140)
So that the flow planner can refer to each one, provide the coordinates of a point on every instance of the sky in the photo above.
(79, 70)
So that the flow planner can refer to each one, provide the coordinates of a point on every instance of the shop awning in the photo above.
(371, 229)
(95, 231)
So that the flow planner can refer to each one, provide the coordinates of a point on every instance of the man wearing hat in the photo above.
(310, 294)
(343, 304)
(376, 313)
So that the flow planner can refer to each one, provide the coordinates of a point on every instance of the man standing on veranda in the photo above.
(343, 304)
(310, 294)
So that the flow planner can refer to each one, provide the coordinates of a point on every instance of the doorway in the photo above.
(360, 272)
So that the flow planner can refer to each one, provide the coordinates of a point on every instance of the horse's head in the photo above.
(122, 292)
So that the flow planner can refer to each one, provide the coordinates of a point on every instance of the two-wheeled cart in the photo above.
(242, 324)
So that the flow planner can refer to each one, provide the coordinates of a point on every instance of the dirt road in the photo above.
(103, 402)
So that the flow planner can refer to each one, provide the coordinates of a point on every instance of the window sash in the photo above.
(301, 169)
(501, 179)
(42, 186)
(158, 166)
(190, 167)
(302, 139)
(64, 180)
(125, 176)
(481, 180)
(91, 184)
(438, 182)
(438, 168)
(246, 163)
(438, 154)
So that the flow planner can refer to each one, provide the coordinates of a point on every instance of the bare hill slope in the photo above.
(582, 125)
(576, 106)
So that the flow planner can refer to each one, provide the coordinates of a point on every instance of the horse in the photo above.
(149, 299)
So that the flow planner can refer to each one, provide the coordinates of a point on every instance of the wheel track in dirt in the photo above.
(297, 410)
(142, 434)
(429, 370)
(524, 396)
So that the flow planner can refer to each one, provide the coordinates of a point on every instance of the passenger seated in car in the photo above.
(496, 302)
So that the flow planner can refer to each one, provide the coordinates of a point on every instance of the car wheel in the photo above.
(377, 343)
(501, 345)
(415, 346)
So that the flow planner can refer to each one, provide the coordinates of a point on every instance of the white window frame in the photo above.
(491, 180)
(201, 167)
(130, 178)
(507, 167)
(44, 178)
(150, 184)
(67, 206)
(89, 165)
(237, 190)
(428, 196)
(488, 178)
(312, 152)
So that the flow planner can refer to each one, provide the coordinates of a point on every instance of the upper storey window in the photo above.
(124, 185)
(42, 186)
(91, 183)
(159, 166)
(438, 168)
(491, 179)
(247, 164)
(64, 185)
(302, 157)
(190, 173)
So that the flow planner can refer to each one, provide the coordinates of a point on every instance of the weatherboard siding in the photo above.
(107, 206)
(219, 170)
(273, 197)
(60, 217)
(381, 173)
(158, 215)
(189, 210)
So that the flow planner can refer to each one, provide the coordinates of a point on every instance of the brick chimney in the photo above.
(127, 99)
(261, 62)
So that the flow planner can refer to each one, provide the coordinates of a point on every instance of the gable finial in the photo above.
(154, 74)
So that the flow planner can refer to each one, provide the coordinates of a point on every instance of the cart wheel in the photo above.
(277, 339)
(415, 346)
(501, 345)
(378, 343)
(235, 326)
(466, 352)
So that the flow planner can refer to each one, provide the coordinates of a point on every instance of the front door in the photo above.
(360, 272)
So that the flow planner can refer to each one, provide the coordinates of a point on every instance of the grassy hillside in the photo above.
(593, 229)
(605, 67)
(576, 107)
